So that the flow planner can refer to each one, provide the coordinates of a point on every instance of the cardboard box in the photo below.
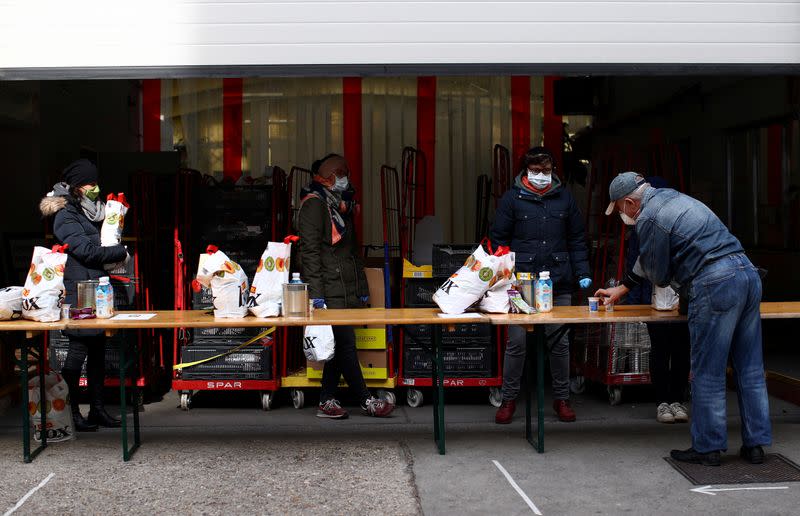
(377, 289)
(413, 271)
(371, 338)
(374, 365)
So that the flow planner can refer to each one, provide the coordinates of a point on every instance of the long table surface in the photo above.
(379, 316)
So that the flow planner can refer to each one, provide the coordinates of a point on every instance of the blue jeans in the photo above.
(725, 321)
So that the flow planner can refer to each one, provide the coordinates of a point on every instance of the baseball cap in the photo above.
(622, 185)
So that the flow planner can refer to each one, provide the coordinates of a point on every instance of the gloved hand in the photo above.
(364, 300)
(318, 302)
(585, 282)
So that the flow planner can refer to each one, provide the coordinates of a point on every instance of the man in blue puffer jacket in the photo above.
(539, 219)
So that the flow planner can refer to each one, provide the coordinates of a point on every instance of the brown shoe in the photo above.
(505, 413)
(564, 411)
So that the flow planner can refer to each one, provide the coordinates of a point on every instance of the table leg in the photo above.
(437, 382)
(27, 454)
(124, 363)
(535, 337)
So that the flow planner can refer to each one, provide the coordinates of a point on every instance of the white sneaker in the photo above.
(679, 412)
(664, 414)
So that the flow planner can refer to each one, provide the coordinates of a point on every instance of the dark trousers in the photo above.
(344, 363)
(669, 360)
(93, 351)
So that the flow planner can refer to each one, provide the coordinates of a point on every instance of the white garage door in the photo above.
(168, 33)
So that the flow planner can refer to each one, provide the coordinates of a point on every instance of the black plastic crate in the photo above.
(419, 292)
(58, 347)
(448, 258)
(460, 361)
(253, 362)
(124, 293)
(479, 334)
(202, 300)
(233, 334)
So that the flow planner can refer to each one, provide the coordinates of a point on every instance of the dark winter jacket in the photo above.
(334, 272)
(85, 255)
(546, 232)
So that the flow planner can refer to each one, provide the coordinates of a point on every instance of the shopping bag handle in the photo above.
(60, 248)
(211, 249)
(291, 239)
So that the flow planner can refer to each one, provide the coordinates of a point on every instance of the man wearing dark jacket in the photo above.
(539, 219)
(77, 216)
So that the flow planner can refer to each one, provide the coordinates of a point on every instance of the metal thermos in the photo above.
(86, 294)
(295, 300)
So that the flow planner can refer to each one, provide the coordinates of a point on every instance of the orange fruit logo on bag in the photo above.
(60, 269)
(260, 266)
(279, 264)
(59, 404)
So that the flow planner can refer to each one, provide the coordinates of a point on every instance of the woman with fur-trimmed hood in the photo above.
(77, 217)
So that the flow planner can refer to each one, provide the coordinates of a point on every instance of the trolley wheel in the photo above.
(298, 398)
(414, 398)
(495, 397)
(388, 396)
(186, 401)
(577, 385)
(614, 395)
(267, 398)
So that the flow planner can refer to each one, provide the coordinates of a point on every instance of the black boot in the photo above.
(73, 380)
(97, 413)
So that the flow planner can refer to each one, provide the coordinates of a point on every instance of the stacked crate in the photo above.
(469, 350)
(238, 221)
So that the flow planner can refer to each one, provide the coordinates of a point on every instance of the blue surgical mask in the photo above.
(539, 180)
(341, 184)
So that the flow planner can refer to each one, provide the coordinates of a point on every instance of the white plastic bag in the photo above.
(272, 272)
(318, 343)
(227, 281)
(44, 287)
(116, 209)
(496, 300)
(468, 284)
(10, 303)
(56, 406)
(664, 298)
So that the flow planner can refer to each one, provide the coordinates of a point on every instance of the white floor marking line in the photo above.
(29, 494)
(517, 488)
(710, 490)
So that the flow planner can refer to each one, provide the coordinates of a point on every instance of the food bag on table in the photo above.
(56, 407)
(469, 283)
(272, 272)
(44, 292)
(496, 300)
(227, 281)
(10, 303)
(665, 298)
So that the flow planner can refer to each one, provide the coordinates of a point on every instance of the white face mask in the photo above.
(627, 219)
(539, 180)
(341, 184)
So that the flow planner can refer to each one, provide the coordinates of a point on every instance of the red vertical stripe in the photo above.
(351, 86)
(520, 118)
(151, 115)
(774, 165)
(426, 140)
(232, 129)
(552, 123)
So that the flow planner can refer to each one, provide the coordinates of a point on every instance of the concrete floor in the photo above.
(226, 456)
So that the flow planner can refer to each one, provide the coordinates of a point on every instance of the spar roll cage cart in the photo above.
(293, 373)
(616, 355)
(403, 197)
(188, 183)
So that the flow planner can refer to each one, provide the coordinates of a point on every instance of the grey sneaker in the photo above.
(664, 414)
(679, 412)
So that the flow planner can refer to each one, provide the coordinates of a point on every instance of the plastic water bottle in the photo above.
(295, 278)
(543, 293)
(104, 299)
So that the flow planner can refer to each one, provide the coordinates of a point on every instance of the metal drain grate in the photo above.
(734, 470)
